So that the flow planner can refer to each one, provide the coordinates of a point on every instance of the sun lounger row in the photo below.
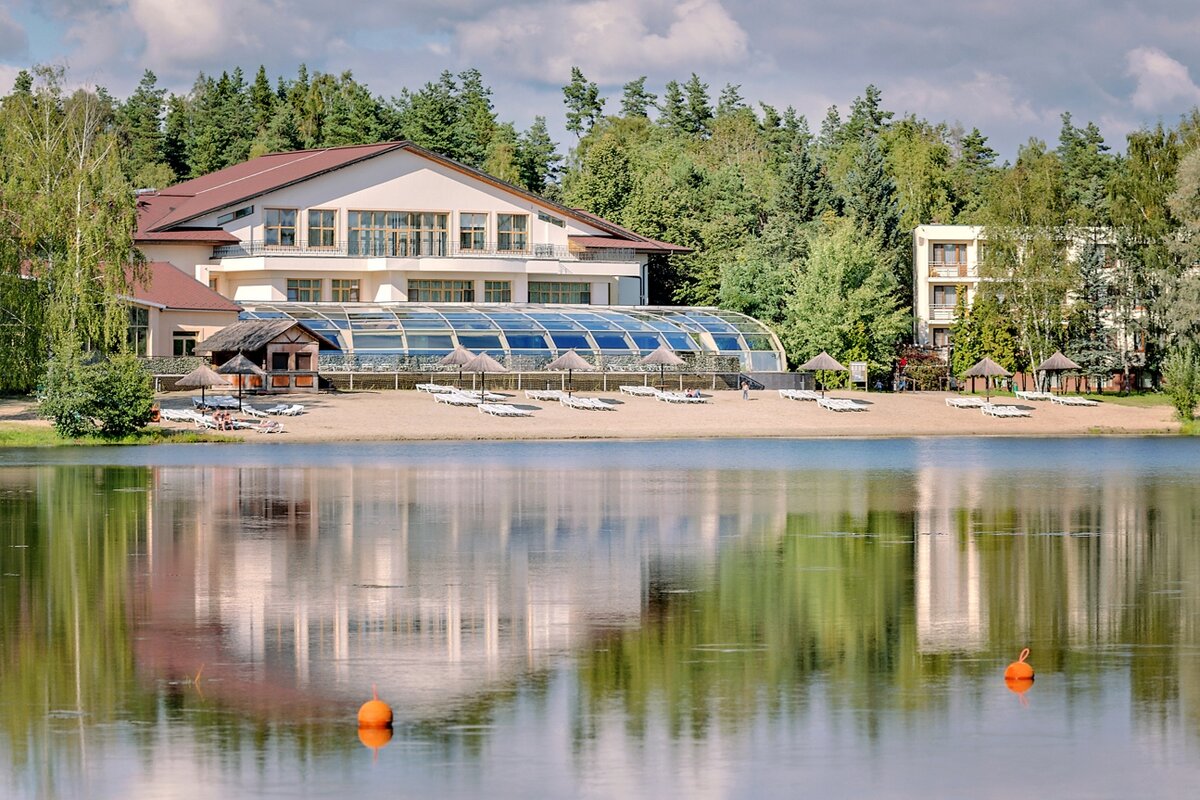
(799, 394)
(286, 409)
(211, 423)
(435, 388)
(545, 395)
(966, 402)
(680, 397)
(503, 410)
(993, 410)
(1033, 395)
(1074, 401)
(840, 404)
(456, 399)
(215, 401)
(586, 403)
(640, 391)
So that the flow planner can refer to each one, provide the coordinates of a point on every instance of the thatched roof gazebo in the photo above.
(1057, 363)
(286, 349)
(987, 369)
(824, 363)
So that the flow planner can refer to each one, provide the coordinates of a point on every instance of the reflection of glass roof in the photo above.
(411, 329)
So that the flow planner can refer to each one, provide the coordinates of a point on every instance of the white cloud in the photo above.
(1161, 80)
(13, 41)
(984, 97)
(612, 41)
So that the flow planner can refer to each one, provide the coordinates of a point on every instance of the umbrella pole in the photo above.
(241, 378)
(570, 384)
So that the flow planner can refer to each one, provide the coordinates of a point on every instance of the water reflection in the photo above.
(170, 624)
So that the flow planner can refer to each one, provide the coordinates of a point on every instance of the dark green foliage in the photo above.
(113, 397)
(636, 101)
(1090, 337)
(584, 103)
(1181, 371)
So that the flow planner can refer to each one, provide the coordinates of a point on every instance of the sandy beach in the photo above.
(412, 415)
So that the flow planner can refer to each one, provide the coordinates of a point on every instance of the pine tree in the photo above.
(1089, 336)
(1087, 169)
(537, 157)
(477, 122)
(635, 100)
(584, 103)
(870, 199)
(699, 113)
(140, 127)
(730, 100)
(262, 101)
(429, 118)
(672, 113)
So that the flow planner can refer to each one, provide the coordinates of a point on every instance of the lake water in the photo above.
(703, 619)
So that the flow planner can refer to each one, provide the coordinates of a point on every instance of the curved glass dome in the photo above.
(528, 335)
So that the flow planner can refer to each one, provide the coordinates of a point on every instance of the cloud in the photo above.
(610, 40)
(14, 44)
(1161, 80)
(983, 97)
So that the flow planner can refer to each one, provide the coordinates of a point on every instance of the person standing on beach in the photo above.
(745, 390)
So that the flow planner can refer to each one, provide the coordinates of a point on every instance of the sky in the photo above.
(1008, 67)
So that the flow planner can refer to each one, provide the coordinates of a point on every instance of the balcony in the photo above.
(357, 248)
(941, 313)
(942, 269)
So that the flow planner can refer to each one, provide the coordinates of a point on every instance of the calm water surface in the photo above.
(676, 619)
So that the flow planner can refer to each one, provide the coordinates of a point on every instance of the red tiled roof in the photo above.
(198, 235)
(641, 244)
(171, 287)
(644, 242)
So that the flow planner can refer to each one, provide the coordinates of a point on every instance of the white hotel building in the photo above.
(945, 263)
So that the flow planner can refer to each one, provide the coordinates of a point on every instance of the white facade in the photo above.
(405, 226)
(945, 265)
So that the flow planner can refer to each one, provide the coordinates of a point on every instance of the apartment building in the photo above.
(945, 268)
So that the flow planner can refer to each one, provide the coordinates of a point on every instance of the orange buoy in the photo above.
(1019, 670)
(375, 738)
(1015, 685)
(375, 713)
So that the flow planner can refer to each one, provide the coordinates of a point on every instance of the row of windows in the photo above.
(424, 290)
(395, 233)
(183, 343)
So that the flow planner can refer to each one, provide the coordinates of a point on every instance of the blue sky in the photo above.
(1009, 67)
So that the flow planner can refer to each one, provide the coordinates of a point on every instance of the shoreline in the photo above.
(412, 416)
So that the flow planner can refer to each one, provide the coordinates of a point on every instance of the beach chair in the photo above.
(586, 403)
(503, 410)
(681, 398)
(965, 402)
(993, 410)
(639, 391)
(456, 399)
(267, 426)
(435, 388)
(544, 395)
(1074, 401)
(293, 410)
(799, 394)
(254, 412)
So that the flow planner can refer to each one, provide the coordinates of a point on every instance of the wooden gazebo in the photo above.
(283, 348)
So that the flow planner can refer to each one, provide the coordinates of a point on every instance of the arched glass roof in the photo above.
(532, 332)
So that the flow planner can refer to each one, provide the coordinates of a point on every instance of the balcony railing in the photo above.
(941, 313)
(940, 269)
(389, 248)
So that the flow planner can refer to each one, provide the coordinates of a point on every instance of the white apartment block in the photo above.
(945, 264)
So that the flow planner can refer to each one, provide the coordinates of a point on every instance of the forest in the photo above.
(807, 227)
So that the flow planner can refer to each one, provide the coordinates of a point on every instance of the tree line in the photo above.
(808, 229)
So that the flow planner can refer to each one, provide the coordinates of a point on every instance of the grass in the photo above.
(18, 435)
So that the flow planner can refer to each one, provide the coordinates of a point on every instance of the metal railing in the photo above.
(941, 313)
(940, 269)
(393, 248)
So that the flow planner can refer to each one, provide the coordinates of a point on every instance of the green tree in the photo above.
(1090, 337)
(972, 171)
(1029, 235)
(698, 113)
(636, 101)
(672, 114)
(537, 157)
(1087, 170)
(477, 123)
(139, 124)
(604, 181)
(584, 103)
(1181, 370)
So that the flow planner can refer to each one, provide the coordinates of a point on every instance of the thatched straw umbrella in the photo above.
(1057, 363)
(456, 358)
(571, 361)
(987, 369)
(664, 357)
(240, 365)
(823, 362)
(483, 364)
(203, 377)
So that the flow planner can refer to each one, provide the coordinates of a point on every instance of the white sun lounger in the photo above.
(1004, 411)
(254, 412)
(966, 402)
(586, 403)
(679, 397)
(1033, 395)
(799, 394)
(435, 388)
(456, 399)
(840, 404)
(503, 410)
(639, 391)
(1074, 401)
(545, 395)
(267, 426)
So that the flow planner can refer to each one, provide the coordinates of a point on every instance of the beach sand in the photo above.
(411, 415)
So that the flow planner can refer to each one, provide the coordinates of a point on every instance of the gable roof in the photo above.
(171, 288)
(172, 207)
(255, 334)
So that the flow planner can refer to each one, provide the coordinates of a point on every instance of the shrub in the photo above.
(1182, 375)
(114, 397)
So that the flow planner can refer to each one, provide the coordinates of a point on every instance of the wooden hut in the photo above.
(284, 348)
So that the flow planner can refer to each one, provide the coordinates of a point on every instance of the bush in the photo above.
(114, 397)
(1182, 374)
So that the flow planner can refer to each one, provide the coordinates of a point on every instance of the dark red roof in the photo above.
(197, 235)
(160, 211)
(643, 242)
(171, 287)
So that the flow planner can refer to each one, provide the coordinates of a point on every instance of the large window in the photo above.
(941, 337)
(279, 227)
(304, 290)
(949, 253)
(560, 292)
(472, 231)
(497, 291)
(183, 343)
(512, 232)
(945, 295)
(139, 330)
(344, 290)
(399, 234)
(435, 291)
(322, 227)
